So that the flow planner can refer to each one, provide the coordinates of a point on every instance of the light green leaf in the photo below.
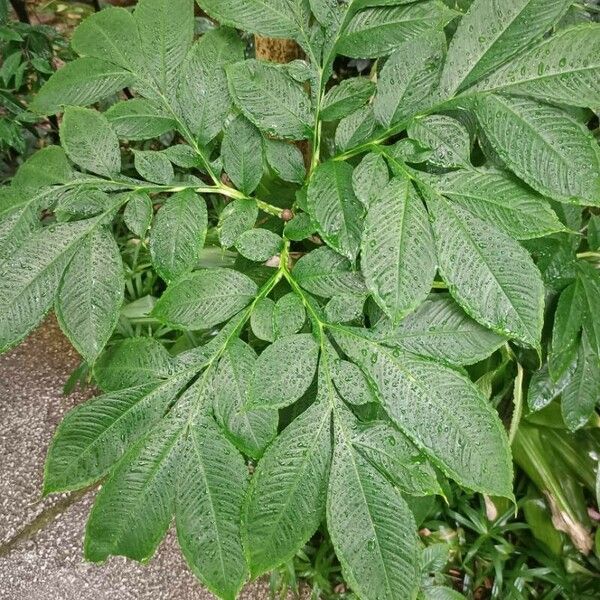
(334, 207)
(494, 31)
(94, 435)
(237, 217)
(397, 249)
(581, 395)
(440, 329)
(132, 362)
(440, 411)
(346, 97)
(351, 383)
(345, 307)
(26, 294)
(81, 82)
(501, 200)
(211, 488)
(250, 430)
(283, 371)
(261, 320)
(397, 458)
(356, 128)
(489, 274)
(241, 150)
(448, 139)
(372, 529)
(258, 244)
(166, 29)
(204, 298)
(91, 293)
(325, 273)
(153, 166)
(285, 159)
(46, 167)
(89, 141)
(563, 69)
(408, 80)
(138, 213)
(203, 93)
(288, 315)
(178, 234)
(284, 507)
(270, 98)
(544, 146)
(138, 119)
(378, 31)
(369, 178)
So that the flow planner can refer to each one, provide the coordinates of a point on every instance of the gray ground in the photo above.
(41, 539)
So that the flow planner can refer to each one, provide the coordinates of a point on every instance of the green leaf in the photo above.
(325, 273)
(48, 166)
(166, 29)
(138, 213)
(345, 307)
(91, 293)
(211, 488)
(543, 390)
(501, 200)
(271, 99)
(203, 93)
(590, 280)
(285, 159)
(261, 320)
(582, 393)
(250, 430)
(356, 129)
(351, 383)
(94, 435)
(81, 82)
(26, 294)
(258, 244)
(110, 35)
(89, 141)
(369, 178)
(283, 371)
(398, 253)
(334, 207)
(440, 329)
(563, 69)
(345, 98)
(493, 32)
(288, 315)
(134, 508)
(138, 119)
(568, 320)
(544, 146)
(284, 507)
(446, 137)
(237, 217)
(272, 18)
(299, 228)
(440, 411)
(397, 458)
(378, 31)
(153, 166)
(132, 362)
(178, 234)
(241, 151)
(407, 82)
(593, 232)
(204, 298)
(372, 529)
(489, 274)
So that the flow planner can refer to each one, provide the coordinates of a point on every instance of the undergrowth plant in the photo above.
(395, 239)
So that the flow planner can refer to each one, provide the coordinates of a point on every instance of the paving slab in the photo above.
(41, 539)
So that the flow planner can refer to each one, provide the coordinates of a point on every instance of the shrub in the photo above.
(336, 363)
